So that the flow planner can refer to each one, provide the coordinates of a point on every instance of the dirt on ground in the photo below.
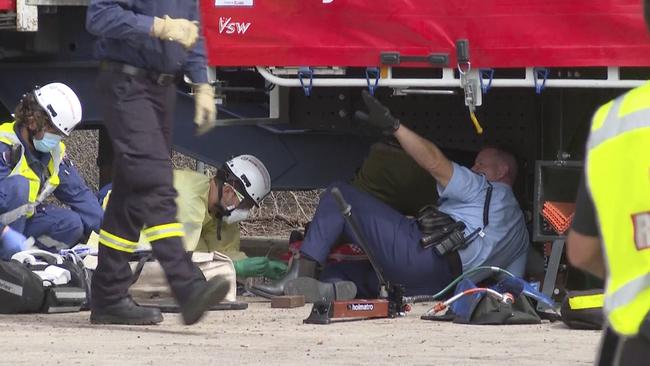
(261, 335)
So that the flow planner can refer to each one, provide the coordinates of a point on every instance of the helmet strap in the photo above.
(221, 211)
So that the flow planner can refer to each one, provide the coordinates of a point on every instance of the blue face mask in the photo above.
(47, 143)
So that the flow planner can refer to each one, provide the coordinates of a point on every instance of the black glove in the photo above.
(378, 115)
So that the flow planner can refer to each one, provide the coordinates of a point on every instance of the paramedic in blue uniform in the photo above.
(394, 238)
(33, 165)
(144, 47)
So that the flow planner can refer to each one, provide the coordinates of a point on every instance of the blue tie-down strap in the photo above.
(306, 72)
(540, 73)
(486, 74)
(372, 72)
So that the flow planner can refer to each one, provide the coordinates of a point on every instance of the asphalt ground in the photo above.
(261, 335)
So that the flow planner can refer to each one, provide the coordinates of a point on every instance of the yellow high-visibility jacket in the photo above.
(618, 179)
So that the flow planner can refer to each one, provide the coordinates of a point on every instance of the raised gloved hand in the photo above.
(179, 30)
(205, 114)
(251, 267)
(11, 242)
(276, 270)
(378, 115)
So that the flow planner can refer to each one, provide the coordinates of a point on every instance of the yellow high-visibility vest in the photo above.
(618, 178)
(37, 192)
(200, 226)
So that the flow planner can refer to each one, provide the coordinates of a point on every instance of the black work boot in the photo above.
(202, 297)
(126, 312)
(315, 290)
(300, 267)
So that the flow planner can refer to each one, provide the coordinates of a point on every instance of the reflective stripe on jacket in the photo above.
(38, 192)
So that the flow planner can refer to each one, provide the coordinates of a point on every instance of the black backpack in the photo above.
(51, 297)
(583, 309)
(479, 308)
(21, 291)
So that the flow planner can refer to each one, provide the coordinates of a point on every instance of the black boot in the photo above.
(127, 312)
(202, 297)
(300, 267)
(315, 290)
(193, 293)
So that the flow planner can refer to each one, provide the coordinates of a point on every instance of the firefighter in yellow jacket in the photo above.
(210, 210)
(615, 193)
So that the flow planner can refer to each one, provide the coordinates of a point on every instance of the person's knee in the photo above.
(55, 228)
(350, 194)
(340, 185)
(70, 228)
(345, 188)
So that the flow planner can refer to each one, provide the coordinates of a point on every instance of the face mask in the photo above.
(236, 215)
(47, 143)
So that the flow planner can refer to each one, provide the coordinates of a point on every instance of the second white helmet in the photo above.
(253, 175)
(61, 104)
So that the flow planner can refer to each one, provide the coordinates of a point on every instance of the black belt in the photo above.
(157, 77)
(455, 264)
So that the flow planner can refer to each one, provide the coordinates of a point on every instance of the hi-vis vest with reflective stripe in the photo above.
(618, 178)
(37, 192)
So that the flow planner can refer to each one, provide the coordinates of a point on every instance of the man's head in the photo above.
(497, 165)
(241, 183)
(47, 114)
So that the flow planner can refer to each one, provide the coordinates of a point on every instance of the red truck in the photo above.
(288, 73)
(288, 76)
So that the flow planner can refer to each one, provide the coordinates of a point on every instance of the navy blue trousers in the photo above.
(138, 114)
(53, 227)
(392, 238)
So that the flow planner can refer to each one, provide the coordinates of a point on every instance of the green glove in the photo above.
(251, 267)
(275, 270)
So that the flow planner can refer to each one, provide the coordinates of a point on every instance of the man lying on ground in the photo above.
(477, 204)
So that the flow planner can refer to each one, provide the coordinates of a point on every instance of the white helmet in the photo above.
(61, 104)
(253, 176)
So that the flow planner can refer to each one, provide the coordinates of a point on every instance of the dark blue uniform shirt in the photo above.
(124, 27)
(72, 190)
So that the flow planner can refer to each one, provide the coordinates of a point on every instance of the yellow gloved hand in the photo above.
(179, 30)
(205, 114)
